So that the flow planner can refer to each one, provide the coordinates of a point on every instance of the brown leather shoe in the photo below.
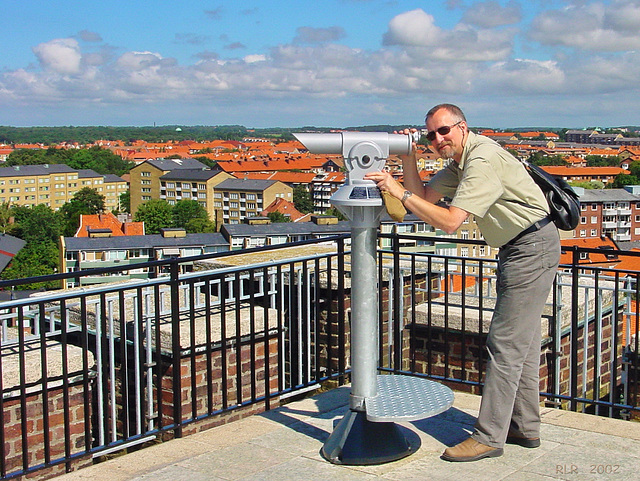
(470, 450)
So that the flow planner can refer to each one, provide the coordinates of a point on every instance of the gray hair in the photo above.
(452, 109)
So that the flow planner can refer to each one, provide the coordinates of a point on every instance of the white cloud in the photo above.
(491, 14)
(522, 76)
(417, 30)
(598, 27)
(61, 55)
(313, 35)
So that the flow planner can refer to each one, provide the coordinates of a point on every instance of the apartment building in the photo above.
(49, 184)
(112, 188)
(198, 185)
(606, 175)
(103, 250)
(613, 213)
(323, 187)
(238, 199)
(145, 181)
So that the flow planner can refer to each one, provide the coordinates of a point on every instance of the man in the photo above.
(483, 179)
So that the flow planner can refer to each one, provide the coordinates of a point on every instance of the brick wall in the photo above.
(203, 392)
(34, 417)
(439, 353)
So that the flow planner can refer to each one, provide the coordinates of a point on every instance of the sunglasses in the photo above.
(444, 130)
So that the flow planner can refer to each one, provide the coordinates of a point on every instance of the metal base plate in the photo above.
(406, 398)
(358, 441)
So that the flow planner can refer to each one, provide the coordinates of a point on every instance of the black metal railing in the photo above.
(91, 370)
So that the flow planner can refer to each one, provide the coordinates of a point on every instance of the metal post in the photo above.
(364, 315)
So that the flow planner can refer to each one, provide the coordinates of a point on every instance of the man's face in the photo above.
(449, 145)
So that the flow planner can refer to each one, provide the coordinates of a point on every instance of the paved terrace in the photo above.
(285, 444)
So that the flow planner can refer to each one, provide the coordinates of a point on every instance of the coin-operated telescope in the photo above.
(363, 152)
(368, 434)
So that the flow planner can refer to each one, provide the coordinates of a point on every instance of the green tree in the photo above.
(38, 224)
(125, 202)
(200, 225)
(624, 179)
(40, 227)
(602, 161)
(278, 217)
(336, 213)
(5, 216)
(187, 210)
(156, 214)
(302, 200)
(34, 259)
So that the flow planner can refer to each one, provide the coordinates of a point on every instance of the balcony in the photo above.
(121, 366)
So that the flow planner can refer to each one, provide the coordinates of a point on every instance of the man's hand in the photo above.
(386, 183)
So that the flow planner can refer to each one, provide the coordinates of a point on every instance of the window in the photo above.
(138, 253)
(144, 182)
(594, 232)
(233, 205)
(583, 220)
(145, 174)
(186, 185)
(464, 234)
(202, 186)
(583, 233)
(594, 219)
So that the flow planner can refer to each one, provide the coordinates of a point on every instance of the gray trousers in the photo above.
(510, 398)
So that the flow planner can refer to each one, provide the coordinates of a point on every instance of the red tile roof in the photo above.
(108, 221)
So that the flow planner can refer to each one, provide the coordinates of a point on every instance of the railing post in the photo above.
(397, 282)
(174, 271)
(341, 312)
(575, 277)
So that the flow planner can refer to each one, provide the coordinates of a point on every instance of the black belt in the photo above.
(532, 228)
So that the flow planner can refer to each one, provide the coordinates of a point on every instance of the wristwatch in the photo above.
(406, 195)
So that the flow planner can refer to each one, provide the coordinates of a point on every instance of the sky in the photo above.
(325, 63)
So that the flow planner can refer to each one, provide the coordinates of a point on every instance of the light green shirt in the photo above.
(493, 186)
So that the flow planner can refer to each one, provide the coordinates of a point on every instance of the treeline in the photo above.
(100, 160)
(86, 135)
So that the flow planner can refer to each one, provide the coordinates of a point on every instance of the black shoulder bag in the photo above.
(564, 203)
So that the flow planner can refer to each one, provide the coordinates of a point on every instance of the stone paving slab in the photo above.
(285, 444)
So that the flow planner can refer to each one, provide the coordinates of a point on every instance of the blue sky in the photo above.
(331, 63)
